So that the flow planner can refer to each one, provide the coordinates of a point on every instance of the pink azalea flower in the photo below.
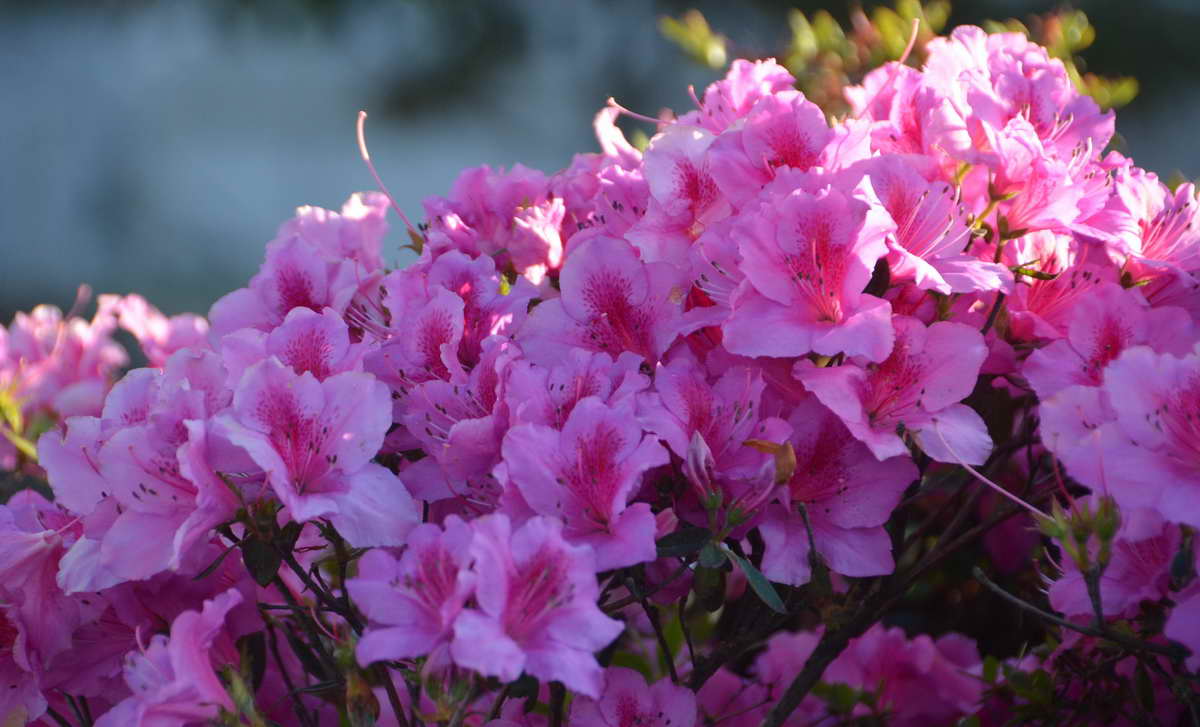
(1183, 625)
(707, 424)
(173, 682)
(34, 537)
(611, 302)
(540, 395)
(295, 274)
(57, 365)
(921, 680)
(158, 335)
(306, 341)
(489, 213)
(411, 603)
(1164, 246)
(919, 385)
(460, 423)
(586, 474)
(627, 700)
(807, 259)
(1102, 325)
(730, 700)
(1154, 462)
(684, 196)
(783, 129)
(893, 97)
(356, 233)
(1073, 427)
(315, 441)
(536, 607)
(848, 495)
(440, 313)
(125, 475)
(930, 227)
(732, 97)
(1044, 308)
(989, 79)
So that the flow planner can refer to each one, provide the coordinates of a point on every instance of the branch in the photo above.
(1172, 652)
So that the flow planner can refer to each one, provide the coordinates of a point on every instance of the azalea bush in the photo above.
(886, 417)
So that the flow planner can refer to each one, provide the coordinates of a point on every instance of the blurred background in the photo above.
(156, 146)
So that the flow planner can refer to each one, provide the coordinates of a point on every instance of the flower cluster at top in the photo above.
(702, 374)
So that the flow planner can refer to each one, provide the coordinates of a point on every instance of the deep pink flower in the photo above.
(611, 302)
(439, 315)
(59, 366)
(807, 259)
(930, 226)
(684, 196)
(411, 603)
(460, 424)
(921, 680)
(315, 441)
(307, 340)
(174, 682)
(540, 395)
(158, 335)
(586, 474)
(783, 129)
(627, 700)
(848, 495)
(355, 233)
(1102, 325)
(732, 97)
(537, 613)
(1155, 458)
(1044, 308)
(295, 274)
(34, 537)
(920, 385)
(706, 422)
(124, 472)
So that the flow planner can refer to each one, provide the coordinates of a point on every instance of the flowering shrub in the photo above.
(675, 436)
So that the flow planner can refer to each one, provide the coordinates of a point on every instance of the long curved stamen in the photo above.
(366, 157)
(975, 473)
(612, 102)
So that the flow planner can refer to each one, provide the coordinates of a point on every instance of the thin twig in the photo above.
(325, 598)
(993, 314)
(656, 624)
(558, 701)
(385, 675)
(1171, 652)
(297, 704)
(687, 631)
(498, 702)
(630, 600)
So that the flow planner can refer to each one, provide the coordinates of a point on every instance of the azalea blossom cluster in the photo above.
(702, 385)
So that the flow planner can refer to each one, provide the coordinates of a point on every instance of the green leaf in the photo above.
(682, 543)
(991, 669)
(289, 535)
(712, 556)
(213, 565)
(760, 584)
(261, 559)
(1035, 274)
